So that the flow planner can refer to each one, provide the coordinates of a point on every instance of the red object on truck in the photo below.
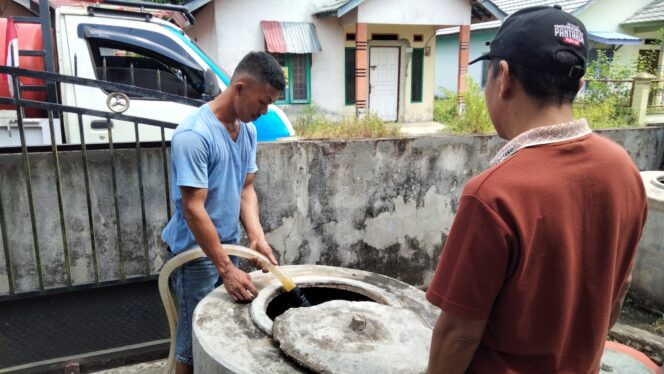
(29, 38)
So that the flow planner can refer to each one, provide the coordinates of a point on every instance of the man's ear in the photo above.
(505, 80)
(582, 83)
(238, 87)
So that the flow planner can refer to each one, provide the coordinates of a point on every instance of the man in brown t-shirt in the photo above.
(538, 260)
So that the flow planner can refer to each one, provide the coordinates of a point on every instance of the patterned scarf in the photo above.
(542, 135)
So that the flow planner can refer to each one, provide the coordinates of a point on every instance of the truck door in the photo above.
(134, 53)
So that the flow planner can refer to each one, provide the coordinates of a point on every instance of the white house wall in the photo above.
(205, 33)
(238, 31)
(606, 15)
(420, 12)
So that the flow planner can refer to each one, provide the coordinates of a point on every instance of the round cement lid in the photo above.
(354, 337)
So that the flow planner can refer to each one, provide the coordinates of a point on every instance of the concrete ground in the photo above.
(153, 367)
(612, 362)
(421, 128)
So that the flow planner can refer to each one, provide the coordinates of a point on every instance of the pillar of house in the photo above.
(361, 62)
(464, 47)
(640, 96)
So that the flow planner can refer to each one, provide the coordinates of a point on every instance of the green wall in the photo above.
(447, 58)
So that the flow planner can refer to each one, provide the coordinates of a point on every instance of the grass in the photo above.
(311, 124)
(659, 326)
(601, 114)
(473, 120)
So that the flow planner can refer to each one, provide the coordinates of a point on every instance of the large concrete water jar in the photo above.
(378, 322)
(648, 276)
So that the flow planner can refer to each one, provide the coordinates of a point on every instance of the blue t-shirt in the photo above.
(204, 155)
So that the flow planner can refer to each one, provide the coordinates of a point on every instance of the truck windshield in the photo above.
(144, 59)
(221, 73)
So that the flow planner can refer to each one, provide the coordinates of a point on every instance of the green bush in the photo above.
(603, 103)
(473, 120)
(603, 114)
(311, 124)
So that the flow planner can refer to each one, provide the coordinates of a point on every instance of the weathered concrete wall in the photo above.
(80, 243)
(385, 206)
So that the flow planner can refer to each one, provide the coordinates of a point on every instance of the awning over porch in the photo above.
(614, 38)
(290, 37)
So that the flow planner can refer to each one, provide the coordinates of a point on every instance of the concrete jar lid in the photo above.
(354, 337)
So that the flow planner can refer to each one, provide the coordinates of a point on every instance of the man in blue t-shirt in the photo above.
(213, 154)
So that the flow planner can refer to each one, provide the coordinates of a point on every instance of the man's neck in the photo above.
(222, 108)
(531, 115)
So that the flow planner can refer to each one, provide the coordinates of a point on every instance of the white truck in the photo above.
(121, 42)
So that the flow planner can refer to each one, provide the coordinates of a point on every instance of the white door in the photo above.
(384, 82)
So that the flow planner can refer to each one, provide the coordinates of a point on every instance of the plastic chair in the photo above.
(168, 299)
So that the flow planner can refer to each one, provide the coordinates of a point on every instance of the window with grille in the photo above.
(297, 70)
(417, 75)
(350, 76)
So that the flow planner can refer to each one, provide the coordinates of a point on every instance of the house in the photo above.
(347, 57)
(646, 24)
(625, 29)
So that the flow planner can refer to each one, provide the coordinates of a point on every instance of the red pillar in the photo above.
(361, 62)
(464, 46)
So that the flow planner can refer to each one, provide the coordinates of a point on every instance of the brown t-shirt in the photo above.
(540, 247)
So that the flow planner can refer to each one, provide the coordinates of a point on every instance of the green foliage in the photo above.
(659, 325)
(473, 120)
(603, 114)
(603, 78)
(311, 124)
(605, 99)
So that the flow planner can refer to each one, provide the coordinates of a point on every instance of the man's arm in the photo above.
(237, 283)
(250, 220)
(617, 305)
(453, 343)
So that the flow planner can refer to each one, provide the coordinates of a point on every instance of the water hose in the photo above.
(286, 282)
(195, 253)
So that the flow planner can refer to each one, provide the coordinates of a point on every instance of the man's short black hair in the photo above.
(547, 88)
(262, 67)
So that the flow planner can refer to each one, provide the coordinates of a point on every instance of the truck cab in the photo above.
(120, 42)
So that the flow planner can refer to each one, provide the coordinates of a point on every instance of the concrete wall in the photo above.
(384, 206)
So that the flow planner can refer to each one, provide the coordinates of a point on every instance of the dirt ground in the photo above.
(645, 319)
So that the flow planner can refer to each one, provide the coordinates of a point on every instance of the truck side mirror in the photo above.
(211, 85)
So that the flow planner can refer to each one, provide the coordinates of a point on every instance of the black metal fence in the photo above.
(56, 110)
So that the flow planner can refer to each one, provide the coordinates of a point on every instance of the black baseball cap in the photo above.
(532, 36)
